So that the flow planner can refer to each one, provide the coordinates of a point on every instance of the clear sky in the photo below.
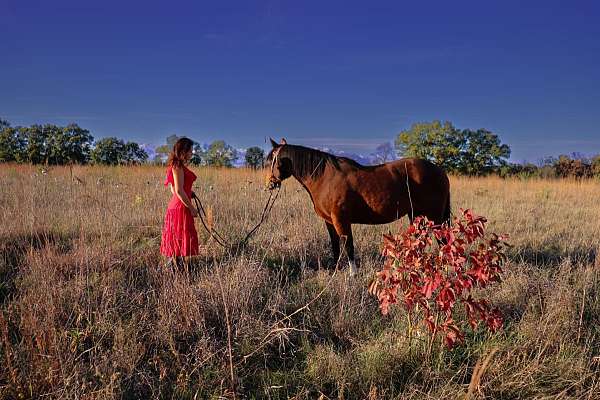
(343, 74)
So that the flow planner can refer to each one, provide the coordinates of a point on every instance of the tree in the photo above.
(467, 151)
(383, 153)
(220, 154)
(199, 156)
(36, 151)
(255, 157)
(107, 151)
(51, 144)
(172, 139)
(12, 144)
(69, 144)
(114, 151)
(162, 152)
(134, 154)
(525, 170)
(596, 166)
(566, 167)
(437, 142)
(482, 152)
(4, 124)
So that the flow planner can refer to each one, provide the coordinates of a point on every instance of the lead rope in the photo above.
(218, 237)
(412, 213)
(266, 211)
(211, 231)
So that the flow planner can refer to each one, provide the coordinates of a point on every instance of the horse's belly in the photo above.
(376, 218)
(375, 214)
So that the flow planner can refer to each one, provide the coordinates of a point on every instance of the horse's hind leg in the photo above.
(335, 241)
(437, 216)
(344, 229)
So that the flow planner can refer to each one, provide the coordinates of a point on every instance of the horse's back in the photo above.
(380, 193)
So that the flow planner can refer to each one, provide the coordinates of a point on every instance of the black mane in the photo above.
(309, 162)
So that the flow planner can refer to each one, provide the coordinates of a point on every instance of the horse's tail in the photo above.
(447, 211)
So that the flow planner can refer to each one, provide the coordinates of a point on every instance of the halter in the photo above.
(274, 182)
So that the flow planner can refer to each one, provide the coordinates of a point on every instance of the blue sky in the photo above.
(348, 75)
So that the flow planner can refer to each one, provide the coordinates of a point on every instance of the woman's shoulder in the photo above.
(174, 168)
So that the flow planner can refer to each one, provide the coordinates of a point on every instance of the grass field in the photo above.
(88, 309)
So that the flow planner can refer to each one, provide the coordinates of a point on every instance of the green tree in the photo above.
(36, 151)
(596, 166)
(220, 154)
(467, 151)
(199, 155)
(51, 144)
(526, 170)
(255, 157)
(481, 152)
(162, 151)
(69, 144)
(107, 151)
(12, 144)
(434, 141)
(134, 154)
(113, 151)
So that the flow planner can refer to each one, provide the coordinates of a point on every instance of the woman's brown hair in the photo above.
(180, 149)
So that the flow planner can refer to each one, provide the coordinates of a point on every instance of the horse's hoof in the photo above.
(352, 268)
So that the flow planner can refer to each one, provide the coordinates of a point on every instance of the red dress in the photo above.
(179, 236)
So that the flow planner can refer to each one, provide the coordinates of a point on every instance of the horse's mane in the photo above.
(309, 162)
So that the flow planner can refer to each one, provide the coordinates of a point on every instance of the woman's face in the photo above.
(188, 155)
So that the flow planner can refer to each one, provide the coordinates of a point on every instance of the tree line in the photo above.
(481, 152)
(216, 154)
(458, 151)
(575, 165)
(61, 145)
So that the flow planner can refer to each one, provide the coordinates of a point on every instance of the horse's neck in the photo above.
(309, 181)
(304, 181)
(309, 185)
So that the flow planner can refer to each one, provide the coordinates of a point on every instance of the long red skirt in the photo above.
(179, 236)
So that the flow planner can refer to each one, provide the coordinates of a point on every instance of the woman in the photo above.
(179, 236)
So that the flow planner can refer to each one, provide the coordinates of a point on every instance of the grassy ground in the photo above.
(88, 310)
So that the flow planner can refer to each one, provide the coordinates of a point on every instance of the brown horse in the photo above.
(344, 192)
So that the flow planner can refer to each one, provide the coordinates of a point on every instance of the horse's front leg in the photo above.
(344, 230)
(335, 241)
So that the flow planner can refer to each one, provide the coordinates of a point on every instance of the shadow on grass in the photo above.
(551, 255)
(14, 248)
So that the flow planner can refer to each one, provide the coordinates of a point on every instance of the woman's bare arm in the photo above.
(178, 189)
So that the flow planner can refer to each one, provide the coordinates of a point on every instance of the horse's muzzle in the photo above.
(274, 183)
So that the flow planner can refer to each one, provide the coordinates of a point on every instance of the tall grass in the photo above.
(90, 310)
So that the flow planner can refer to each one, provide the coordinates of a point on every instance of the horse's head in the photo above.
(280, 166)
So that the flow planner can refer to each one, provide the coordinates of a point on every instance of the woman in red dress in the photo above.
(179, 236)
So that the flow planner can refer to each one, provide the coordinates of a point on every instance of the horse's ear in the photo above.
(283, 141)
(273, 143)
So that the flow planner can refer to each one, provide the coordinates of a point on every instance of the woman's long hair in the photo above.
(180, 149)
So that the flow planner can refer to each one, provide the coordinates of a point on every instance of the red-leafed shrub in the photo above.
(431, 268)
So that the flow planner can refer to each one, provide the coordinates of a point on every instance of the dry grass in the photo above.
(88, 309)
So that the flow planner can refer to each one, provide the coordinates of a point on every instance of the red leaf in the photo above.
(430, 280)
